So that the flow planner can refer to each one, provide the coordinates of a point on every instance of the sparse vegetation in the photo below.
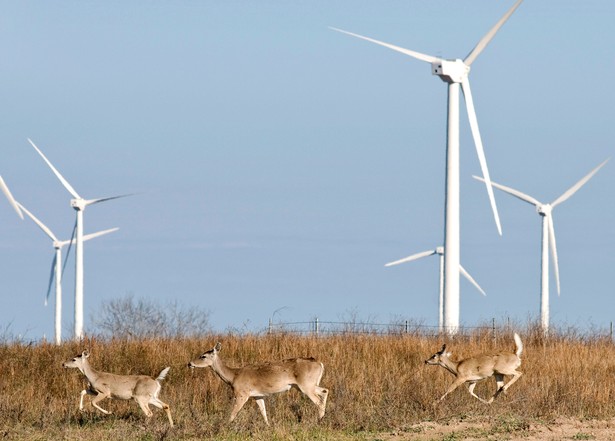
(377, 384)
(129, 318)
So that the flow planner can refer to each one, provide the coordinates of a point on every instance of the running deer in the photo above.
(471, 370)
(142, 388)
(262, 380)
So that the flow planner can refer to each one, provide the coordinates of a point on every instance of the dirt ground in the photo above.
(560, 429)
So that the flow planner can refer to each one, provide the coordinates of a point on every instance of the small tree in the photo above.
(141, 318)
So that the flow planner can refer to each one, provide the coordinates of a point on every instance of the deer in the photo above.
(471, 370)
(141, 388)
(261, 380)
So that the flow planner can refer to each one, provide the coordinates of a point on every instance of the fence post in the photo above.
(316, 330)
(269, 328)
(493, 329)
(406, 327)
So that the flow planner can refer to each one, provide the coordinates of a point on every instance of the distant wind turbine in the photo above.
(56, 267)
(440, 252)
(79, 204)
(10, 197)
(455, 73)
(548, 237)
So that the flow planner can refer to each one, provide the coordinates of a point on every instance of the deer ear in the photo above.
(217, 347)
(85, 354)
(443, 349)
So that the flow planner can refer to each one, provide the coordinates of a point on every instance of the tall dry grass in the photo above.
(376, 383)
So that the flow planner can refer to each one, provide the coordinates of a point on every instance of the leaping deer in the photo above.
(142, 388)
(471, 370)
(261, 380)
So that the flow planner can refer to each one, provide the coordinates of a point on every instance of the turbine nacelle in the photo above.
(78, 204)
(544, 209)
(450, 71)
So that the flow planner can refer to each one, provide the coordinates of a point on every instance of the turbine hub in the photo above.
(450, 71)
(78, 204)
(544, 210)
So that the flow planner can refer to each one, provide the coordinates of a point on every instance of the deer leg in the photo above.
(499, 381)
(458, 382)
(84, 392)
(261, 406)
(101, 396)
(240, 400)
(318, 397)
(161, 405)
(516, 376)
(323, 394)
(143, 403)
(504, 387)
(471, 387)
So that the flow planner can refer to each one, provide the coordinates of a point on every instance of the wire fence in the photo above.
(494, 329)
(321, 327)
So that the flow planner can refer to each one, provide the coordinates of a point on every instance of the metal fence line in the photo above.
(319, 327)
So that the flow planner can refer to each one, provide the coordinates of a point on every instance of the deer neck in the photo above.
(90, 373)
(449, 365)
(226, 373)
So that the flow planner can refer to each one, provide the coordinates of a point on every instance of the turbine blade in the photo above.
(467, 275)
(524, 197)
(553, 247)
(96, 201)
(413, 54)
(64, 182)
(99, 233)
(70, 245)
(41, 225)
(572, 190)
(482, 44)
(413, 257)
(9, 196)
(467, 93)
(51, 277)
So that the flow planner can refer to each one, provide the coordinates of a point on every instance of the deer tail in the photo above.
(519, 345)
(163, 374)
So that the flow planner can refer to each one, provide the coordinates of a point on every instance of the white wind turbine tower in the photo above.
(548, 237)
(440, 252)
(56, 267)
(455, 73)
(79, 204)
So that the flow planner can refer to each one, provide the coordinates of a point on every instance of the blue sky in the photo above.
(279, 164)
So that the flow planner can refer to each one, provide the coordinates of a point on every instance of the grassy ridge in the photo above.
(376, 383)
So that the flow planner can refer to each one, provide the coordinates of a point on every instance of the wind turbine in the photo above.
(548, 237)
(455, 73)
(56, 267)
(10, 197)
(440, 252)
(79, 204)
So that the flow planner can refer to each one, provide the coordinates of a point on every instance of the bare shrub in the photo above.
(127, 318)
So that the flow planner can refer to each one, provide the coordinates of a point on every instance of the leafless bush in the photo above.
(130, 318)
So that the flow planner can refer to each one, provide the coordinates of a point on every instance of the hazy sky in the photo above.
(279, 164)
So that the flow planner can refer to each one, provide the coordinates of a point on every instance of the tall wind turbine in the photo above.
(440, 252)
(10, 197)
(548, 237)
(56, 267)
(79, 204)
(455, 73)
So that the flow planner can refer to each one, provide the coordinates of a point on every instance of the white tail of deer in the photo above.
(259, 381)
(471, 370)
(142, 388)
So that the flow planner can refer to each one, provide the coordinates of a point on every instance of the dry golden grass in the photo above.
(377, 384)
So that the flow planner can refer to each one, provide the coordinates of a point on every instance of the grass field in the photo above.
(379, 386)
